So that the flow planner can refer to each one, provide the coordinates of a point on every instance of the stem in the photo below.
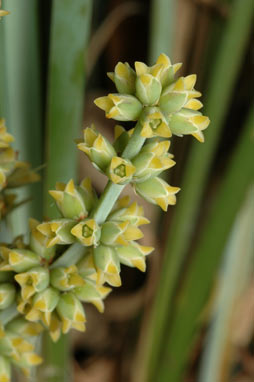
(8, 314)
(112, 190)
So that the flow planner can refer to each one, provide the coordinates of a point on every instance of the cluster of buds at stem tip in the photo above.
(76, 258)
(13, 173)
(163, 104)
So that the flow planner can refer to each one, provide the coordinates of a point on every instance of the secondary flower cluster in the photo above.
(77, 258)
(13, 173)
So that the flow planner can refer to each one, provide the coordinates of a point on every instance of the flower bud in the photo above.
(180, 94)
(74, 202)
(189, 122)
(27, 361)
(134, 214)
(7, 295)
(134, 255)
(154, 124)
(108, 266)
(17, 260)
(45, 302)
(157, 191)
(21, 325)
(14, 346)
(57, 231)
(38, 241)
(168, 70)
(92, 293)
(124, 78)
(122, 138)
(71, 312)
(113, 233)
(121, 107)
(65, 278)
(55, 327)
(21, 175)
(87, 232)
(5, 138)
(5, 369)
(86, 267)
(148, 89)
(120, 170)
(97, 148)
(33, 281)
(148, 165)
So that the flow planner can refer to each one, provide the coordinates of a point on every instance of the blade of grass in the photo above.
(161, 28)
(207, 257)
(219, 93)
(69, 37)
(22, 108)
(236, 274)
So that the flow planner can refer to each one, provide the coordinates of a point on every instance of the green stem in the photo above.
(112, 191)
(8, 314)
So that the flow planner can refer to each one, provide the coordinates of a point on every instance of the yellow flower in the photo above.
(120, 170)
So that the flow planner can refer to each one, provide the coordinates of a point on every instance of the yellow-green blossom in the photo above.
(57, 231)
(87, 232)
(97, 148)
(33, 281)
(121, 107)
(120, 170)
(157, 191)
(66, 278)
(124, 78)
(71, 312)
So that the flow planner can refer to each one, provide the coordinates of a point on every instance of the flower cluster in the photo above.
(77, 258)
(13, 173)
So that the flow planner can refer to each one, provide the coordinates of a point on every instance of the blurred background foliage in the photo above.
(192, 313)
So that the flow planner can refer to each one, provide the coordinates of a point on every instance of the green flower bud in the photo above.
(124, 78)
(7, 295)
(27, 361)
(71, 312)
(157, 191)
(21, 175)
(13, 346)
(92, 293)
(5, 138)
(121, 107)
(74, 202)
(38, 241)
(148, 89)
(108, 266)
(87, 232)
(149, 164)
(126, 212)
(5, 369)
(113, 233)
(17, 260)
(122, 138)
(44, 302)
(66, 279)
(154, 124)
(168, 70)
(134, 255)
(21, 325)
(55, 327)
(33, 281)
(57, 231)
(97, 148)
(120, 170)
(179, 94)
(189, 122)
(86, 267)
